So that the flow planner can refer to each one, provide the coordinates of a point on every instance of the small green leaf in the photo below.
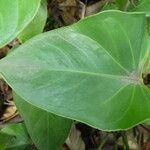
(14, 17)
(4, 140)
(37, 24)
(47, 130)
(90, 71)
(14, 137)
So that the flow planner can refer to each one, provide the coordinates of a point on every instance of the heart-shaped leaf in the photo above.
(14, 17)
(90, 71)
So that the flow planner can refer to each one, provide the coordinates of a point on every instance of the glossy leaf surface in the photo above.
(90, 71)
(14, 17)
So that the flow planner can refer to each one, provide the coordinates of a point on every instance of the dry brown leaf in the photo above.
(74, 141)
(9, 113)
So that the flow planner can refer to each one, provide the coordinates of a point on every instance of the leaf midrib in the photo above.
(128, 78)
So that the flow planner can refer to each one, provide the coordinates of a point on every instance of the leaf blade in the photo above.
(20, 13)
(36, 26)
(47, 130)
(81, 66)
(14, 136)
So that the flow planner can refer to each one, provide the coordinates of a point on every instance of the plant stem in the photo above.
(127, 5)
(125, 140)
(147, 129)
(115, 140)
(103, 142)
(1, 77)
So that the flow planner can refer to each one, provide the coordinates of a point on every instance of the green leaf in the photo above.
(37, 24)
(14, 137)
(142, 6)
(90, 72)
(4, 140)
(14, 17)
(121, 4)
(47, 130)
